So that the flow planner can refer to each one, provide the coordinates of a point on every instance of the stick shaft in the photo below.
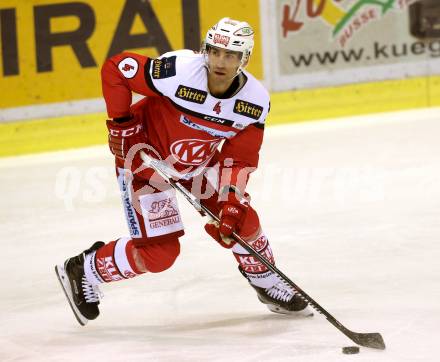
(373, 340)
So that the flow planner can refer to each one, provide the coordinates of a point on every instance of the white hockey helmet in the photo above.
(233, 35)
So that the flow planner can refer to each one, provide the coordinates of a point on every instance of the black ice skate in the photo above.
(81, 295)
(281, 298)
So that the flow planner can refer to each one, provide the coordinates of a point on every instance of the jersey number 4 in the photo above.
(217, 109)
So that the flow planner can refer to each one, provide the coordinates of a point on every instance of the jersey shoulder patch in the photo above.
(166, 73)
(164, 67)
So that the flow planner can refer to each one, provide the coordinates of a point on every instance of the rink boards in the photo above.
(290, 106)
(322, 61)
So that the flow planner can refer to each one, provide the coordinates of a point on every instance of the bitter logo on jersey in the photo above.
(247, 109)
(191, 94)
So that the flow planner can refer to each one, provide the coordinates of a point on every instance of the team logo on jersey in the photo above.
(194, 152)
(191, 94)
(164, 67)
(217, 108)
(247, 109)
(128, 67)
(221, 39)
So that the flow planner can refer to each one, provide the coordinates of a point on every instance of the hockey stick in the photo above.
(371, 340)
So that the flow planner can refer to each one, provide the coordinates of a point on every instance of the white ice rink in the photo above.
(352, 210)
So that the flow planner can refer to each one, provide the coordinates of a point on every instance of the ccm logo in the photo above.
(126, 132)
(233, 210)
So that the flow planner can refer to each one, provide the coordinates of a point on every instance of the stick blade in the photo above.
(371, 340)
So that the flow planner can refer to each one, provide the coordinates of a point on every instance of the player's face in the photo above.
(223, 63)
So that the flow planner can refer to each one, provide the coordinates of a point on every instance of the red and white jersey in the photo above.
(182, 119)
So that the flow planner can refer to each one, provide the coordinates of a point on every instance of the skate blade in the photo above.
(64, 281)
(305, 313)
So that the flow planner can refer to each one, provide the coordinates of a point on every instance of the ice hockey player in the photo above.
(201, 111)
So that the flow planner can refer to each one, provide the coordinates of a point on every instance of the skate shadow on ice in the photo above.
(250, 326)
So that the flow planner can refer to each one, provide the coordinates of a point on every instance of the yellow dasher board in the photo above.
(52, 50)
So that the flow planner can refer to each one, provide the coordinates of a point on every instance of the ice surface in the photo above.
(352, 210)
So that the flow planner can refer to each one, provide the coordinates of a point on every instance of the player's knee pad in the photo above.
(156, 257)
